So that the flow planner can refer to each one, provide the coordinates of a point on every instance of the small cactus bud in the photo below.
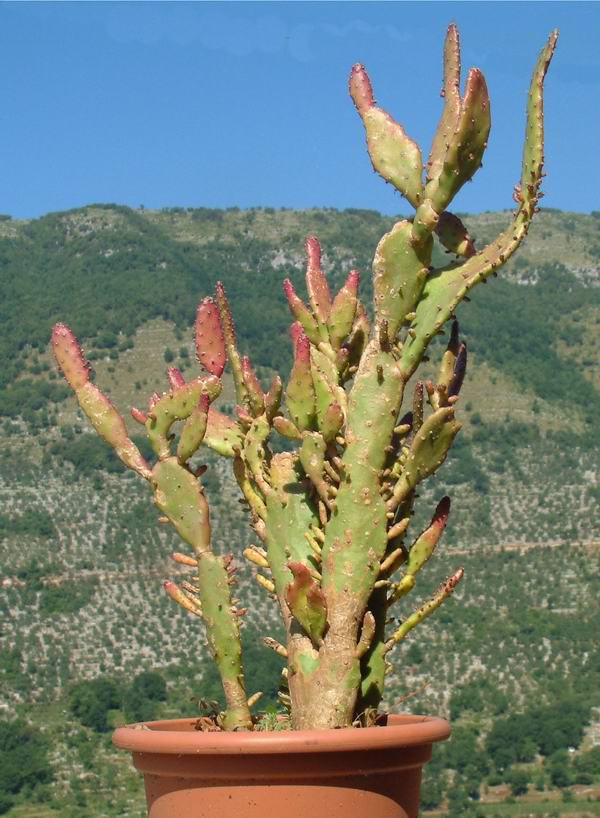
(184, 559)
(175, 377)
(138, 415)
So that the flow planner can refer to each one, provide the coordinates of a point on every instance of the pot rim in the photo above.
(178, 736)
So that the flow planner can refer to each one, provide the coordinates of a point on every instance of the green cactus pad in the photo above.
(423, 547)
(301, 313)
(254, 452)
(452, 101)
(307, 602)
(300, 392)
(446, 288)
(210, 341)
(223, 634)
(317, 286)
(193, 430)
(332, 422)
(223, 435)
(422, 550)
(179, 496)
(399, 272)
(454, 235)
(256, 398)
(101, 413)
(533, 152)
(253, 498)
(273, 398)
(427, 452)
(312, 458)
(343, 310)
(395, 156)
(466, 146)
(288, 518)
(449, 357)
(233, 355)
(286, 428)
(325, 382)
(177, 405)
(445, 590)
(359, 337)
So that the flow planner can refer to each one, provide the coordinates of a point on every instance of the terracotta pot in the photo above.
(364, 773)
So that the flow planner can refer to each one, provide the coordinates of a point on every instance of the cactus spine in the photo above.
(332, 516)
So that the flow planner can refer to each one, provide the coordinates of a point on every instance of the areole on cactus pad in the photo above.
(333, 513)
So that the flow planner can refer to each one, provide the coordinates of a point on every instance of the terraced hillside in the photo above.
(83, 555)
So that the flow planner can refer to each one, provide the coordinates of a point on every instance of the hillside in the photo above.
(81, 550)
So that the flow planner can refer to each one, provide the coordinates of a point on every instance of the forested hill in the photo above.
(109, 269)
(128, 282)
(82, 554)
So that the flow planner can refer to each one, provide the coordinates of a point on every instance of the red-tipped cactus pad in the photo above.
(210, 342)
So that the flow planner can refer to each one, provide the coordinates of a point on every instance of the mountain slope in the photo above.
(81, 550)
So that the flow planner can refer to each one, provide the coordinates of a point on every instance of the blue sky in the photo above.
(223, 104)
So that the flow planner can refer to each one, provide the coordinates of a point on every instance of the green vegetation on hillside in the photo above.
(512, 660)
(108, 270)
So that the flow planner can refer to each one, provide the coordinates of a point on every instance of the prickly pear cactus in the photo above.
(333, 516)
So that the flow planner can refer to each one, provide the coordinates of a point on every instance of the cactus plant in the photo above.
(333, 512)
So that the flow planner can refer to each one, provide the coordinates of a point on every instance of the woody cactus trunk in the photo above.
(332, 517)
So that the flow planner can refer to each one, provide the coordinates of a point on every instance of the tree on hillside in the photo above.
(23, 760)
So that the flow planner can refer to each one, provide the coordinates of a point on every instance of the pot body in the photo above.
(373, 772)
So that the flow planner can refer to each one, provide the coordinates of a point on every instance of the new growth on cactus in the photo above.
(333, 514)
